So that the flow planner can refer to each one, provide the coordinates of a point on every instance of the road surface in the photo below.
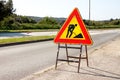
(15, 35)
(19, 61)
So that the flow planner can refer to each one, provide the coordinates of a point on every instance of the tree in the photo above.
(6, 8)
(9, 7)
(2, 11)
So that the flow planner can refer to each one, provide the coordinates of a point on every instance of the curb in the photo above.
(25, 42)
(30, 77)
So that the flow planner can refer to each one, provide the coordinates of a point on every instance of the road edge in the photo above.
(25, 42)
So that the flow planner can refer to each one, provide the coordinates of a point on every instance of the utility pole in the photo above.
(89, 10)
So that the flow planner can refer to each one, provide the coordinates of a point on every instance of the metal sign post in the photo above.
(73, 31)
(67, 56)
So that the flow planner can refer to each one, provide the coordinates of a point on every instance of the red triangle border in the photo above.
(87, 40)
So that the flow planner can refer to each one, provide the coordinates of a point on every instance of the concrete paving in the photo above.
(104, 64)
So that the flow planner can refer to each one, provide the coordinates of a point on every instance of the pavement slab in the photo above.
(104, 64)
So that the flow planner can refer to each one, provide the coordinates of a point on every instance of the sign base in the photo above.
(67, 60)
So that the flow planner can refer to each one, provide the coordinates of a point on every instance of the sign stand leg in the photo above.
(86, 55)
(57, 55)
(67, 53)
(79, 57)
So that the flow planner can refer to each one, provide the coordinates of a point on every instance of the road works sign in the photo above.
(73, 30)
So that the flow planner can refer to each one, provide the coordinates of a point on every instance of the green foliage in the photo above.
(48, 20)
(6, 9)
(24, 19)
(102, 24)
(9, 7)
(2, 11)
(11, 21)
(103, 27)
(48, 23)
(15, 22)
(115, 22)
(39, 26)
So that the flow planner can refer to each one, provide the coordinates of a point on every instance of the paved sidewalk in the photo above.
(104, 65)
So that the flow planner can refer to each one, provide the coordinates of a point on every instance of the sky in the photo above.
(100, 9)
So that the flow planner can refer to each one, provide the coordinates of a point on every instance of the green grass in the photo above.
(23, 39)
(104, 27)
(29, 30)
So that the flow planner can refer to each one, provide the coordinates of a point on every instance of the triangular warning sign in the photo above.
(73, 30)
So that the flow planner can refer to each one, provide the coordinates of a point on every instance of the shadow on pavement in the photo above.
(93, 71)
(101, 73)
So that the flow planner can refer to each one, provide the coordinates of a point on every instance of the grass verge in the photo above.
(25, 39)
(28, 30)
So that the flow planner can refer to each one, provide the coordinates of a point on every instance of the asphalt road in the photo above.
(19, 34)
(19, 61)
